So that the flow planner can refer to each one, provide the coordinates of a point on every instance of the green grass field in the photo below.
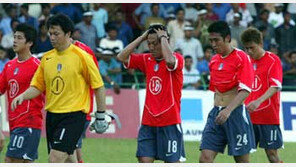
(123, 151)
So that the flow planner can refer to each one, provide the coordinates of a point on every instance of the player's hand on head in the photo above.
(17, 101)
(101, 124)
(161, 33)
(222, 116)
(144, 36)
(253, 105)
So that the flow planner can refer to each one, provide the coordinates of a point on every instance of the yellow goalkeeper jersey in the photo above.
(66, 78)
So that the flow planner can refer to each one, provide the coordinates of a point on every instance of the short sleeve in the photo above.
(91, 73)
(136, 61)
(38, 78)
(3, 81)
(179, 62)
(245, 73)
(275, 78)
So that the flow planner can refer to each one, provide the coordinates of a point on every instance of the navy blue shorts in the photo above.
(79, 143)
(268, 136)
(237, 132)
(161, 143)
(24, 144)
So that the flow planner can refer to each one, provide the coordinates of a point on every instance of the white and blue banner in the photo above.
(195, 106)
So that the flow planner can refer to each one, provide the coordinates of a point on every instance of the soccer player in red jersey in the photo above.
(264, 101)
(88, 118)
(160, 136)
(231, 78)
(25, 122)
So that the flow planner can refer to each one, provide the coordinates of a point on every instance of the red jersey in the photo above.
(15, 79)
(163, 89)
(89, 51)
(234, 70)
(268, 73)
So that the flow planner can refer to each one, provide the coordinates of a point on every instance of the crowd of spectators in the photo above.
(107, 28)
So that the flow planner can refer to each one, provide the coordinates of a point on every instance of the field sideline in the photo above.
(123, 150)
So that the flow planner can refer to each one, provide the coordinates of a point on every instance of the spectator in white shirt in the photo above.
(246, 18)
(176, 27)
(190, 45)
(277, 18)
(191, 75)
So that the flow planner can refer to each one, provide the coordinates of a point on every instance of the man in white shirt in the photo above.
(191, 75)
(176, 27)
(190, 45)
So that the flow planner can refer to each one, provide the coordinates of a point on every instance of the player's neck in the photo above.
(227, 51)
(23, 56)
(260, 54)
(63, 47)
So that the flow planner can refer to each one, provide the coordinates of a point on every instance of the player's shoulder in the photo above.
(241, 55)
(35, 61)
(273, 56)
(49, 53)
(178, 55)
(10, 63)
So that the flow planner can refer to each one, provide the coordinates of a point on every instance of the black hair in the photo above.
(2, 48)
(30, 32)
(41, 24)
(63, 21)
(179, 9)
(45, 5)
(25, 6)
(264, 11)
(207, 47)
(156, 26)
(188, 57)
(220, 27)
(109, 27)
(12, 21)
(291, 53)
(154, 4)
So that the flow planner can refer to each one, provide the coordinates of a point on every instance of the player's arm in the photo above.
(238, 100)
(29, 94)
(166, 49)
(256, 103)
(123, 56)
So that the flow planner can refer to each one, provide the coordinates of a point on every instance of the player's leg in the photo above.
(242, 158)
(79, 144)
(271, 140)
(213, 138)
(23, 145)
(146, 149)
(68, 128)
(56, 156)
(207, 156)
(272, 155)
(170, 144)
(240, 134)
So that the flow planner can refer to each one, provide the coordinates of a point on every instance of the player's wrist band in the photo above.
(100, 112)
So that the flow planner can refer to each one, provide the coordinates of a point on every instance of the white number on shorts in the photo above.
(242, 139)
(172, 146)
(273, 135)
(18, 141)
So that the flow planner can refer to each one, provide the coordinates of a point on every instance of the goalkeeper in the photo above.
(66, 74)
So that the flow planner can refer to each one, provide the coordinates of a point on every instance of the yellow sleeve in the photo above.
(93, 76)
(38, 78)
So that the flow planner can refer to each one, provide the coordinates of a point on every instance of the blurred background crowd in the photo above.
(107, 28)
